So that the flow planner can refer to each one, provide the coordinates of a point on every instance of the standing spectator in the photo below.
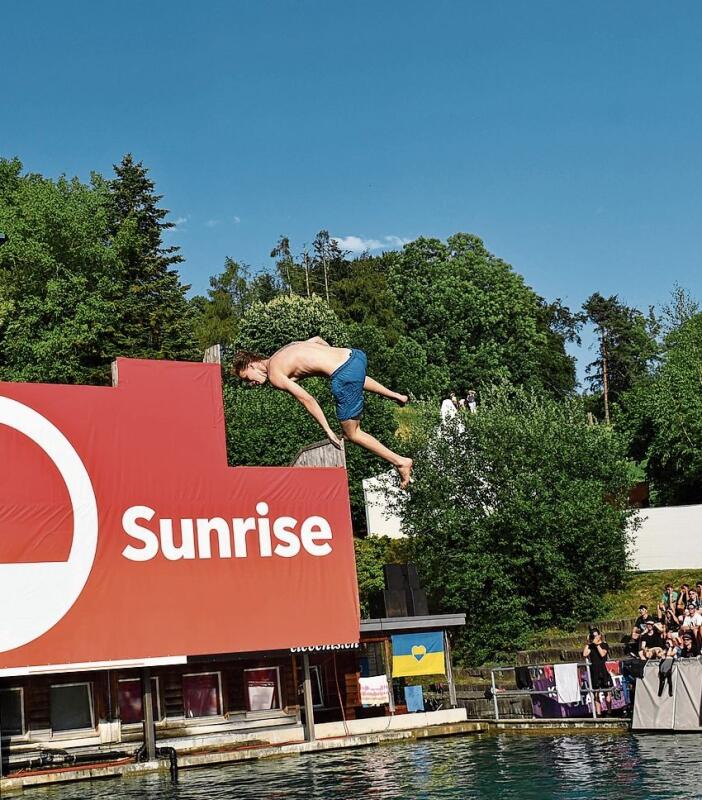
(597, 650)
(454, 400)
(472, 401)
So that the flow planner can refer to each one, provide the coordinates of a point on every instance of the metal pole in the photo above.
(449, 671)
(494, 695)
(388, 674)
(589, 684)
(309, 704)
(148, 713)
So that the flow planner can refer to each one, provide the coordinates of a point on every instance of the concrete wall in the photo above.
(669, 538)
(398, 722)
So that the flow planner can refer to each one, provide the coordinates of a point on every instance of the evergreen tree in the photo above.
(156, 320)
(627, 347)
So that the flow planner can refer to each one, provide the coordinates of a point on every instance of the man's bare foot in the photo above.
(401, 399)
(405, 470)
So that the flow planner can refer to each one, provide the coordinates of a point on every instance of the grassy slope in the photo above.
(646, 588)
(639, 587)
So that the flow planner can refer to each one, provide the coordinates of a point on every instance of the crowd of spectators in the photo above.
(675, 631)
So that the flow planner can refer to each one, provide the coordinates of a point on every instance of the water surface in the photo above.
(591, 766)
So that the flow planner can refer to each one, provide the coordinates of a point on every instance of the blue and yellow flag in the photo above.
(418, 654)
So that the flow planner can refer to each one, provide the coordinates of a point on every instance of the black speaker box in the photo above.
(394, 578)
(395, 603)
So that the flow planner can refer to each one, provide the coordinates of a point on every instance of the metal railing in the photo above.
(589, 691)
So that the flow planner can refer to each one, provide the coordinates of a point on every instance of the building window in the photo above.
(262, 688)
(317, 688)
(130, 701)
(71, 707)
(12, 711)
(202, 694)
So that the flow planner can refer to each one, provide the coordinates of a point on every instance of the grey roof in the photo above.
(412, 623)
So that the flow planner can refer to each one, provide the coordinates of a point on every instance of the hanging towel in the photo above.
(567, 684)
(523, 678)
(374, 691)
(414, 698)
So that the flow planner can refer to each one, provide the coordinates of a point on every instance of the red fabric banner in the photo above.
(125, 535)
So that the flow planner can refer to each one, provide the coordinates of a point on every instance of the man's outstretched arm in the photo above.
(311, 405)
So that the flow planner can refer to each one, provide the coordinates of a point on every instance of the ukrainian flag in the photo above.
(418, 654)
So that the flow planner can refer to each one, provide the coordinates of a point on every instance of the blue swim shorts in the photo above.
(347, 386)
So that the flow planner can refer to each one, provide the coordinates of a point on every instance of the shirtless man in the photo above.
(346, 368)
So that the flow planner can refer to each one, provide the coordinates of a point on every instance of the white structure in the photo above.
(380, 519)
(669, 538)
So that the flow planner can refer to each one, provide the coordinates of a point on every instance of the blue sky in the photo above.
(567, 135)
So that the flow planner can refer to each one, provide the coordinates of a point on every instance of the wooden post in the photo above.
(388, 672)
(309, 704)
(449, 671)
(148, 712)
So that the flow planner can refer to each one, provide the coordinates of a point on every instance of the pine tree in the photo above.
(156, 318)
(627, 346)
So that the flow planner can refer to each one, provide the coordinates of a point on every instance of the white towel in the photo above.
(374, 691)
(567, 683)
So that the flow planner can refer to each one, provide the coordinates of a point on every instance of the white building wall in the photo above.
(669, 538)
(380, 520)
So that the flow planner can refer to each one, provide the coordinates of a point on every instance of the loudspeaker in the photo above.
(412, 577)
(417, 602)
(394, 579)
(395, 603)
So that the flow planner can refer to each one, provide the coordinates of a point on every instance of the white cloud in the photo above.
(358, 244)
(212, 223)
(397, 241)
(178, 225)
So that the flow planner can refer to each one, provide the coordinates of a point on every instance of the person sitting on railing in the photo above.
(651, 641)
(597, 651)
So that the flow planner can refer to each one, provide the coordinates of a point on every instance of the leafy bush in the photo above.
(517, 516)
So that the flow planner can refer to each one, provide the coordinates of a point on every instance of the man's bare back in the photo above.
(346, 367)
(299, 360)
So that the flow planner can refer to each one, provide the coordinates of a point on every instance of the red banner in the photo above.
(125, 535)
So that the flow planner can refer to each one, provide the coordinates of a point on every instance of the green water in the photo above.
(585, 766)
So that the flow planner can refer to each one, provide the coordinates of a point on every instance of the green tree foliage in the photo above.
(517, 516)
(265, 327)
(74, 293)
(266, 426)
(662, 415)
(627, 347)
(155, 316)
(371, 554)
(231, 293)
(476, 318)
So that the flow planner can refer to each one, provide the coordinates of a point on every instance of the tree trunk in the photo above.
(605, 378)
